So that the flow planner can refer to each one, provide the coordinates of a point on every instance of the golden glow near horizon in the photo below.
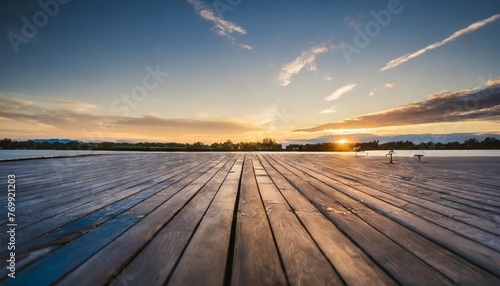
(316, 86)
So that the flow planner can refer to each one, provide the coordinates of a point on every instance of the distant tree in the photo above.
(471, 143)
(215, 146)
(293, 147)
(30, 144)
(6, 143)
(228, 146)
(268, 144)
(453, 145)
(198, 146)
(490, 143)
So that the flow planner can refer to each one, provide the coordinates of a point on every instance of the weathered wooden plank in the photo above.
(367, 219)
(105, 264)
(352, 263)
(419, 188)
(472, 251)
(112, 229)
(50, 268)
(34, 171)
(303, 262)
(449, 218)
(205, 259)
(399, 262)
(99, 178)
(62, 173)
(101, 175)
(63, 191)
(150, 266)
(402, 172)
(423, 195)
(80, 226)
(456, 268)
(86, 206)
(96, 188)
(255, 258)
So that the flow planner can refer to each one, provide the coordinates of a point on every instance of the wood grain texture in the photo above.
(455, 241)
(303, 261)
(106, 263)
(401, 264)
(453, 266)
(256, 260)
(157, 259)
(351, 262)
(205, 259)
(254, 219)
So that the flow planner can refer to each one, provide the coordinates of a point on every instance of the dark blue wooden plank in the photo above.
(50, 268)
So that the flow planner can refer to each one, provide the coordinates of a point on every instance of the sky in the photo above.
(209, 71)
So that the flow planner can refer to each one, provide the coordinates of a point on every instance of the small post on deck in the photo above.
(356, 150)
(419, 156)
(390, 154)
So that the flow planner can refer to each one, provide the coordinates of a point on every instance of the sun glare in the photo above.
(342, 141)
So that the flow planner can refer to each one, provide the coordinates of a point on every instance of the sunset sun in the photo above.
(342, 141)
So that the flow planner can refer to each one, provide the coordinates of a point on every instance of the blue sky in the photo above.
(241, 70)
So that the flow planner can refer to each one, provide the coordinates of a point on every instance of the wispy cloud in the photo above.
(328, 77)
(351, 22)
(388, 85)
(72, 119)
(338, 93)
(17, 102)
(445, 107)
(396, 62)
(245, 47)
(329, 110)
(305, 60)
(220, 26)
(72, 105)
(493, 82)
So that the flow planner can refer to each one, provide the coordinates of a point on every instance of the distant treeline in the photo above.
(268, 144)
(469, 144)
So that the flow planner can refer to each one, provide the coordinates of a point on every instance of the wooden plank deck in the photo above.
(253, 219)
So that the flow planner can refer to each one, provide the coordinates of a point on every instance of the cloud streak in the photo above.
(340, 91)
(305, 60)
(445, 107)
(72, 119)
(329, 110)
(388, 85)
(396, 62)
(220, 26)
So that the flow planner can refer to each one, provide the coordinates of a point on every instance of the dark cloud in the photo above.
(467, 105)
